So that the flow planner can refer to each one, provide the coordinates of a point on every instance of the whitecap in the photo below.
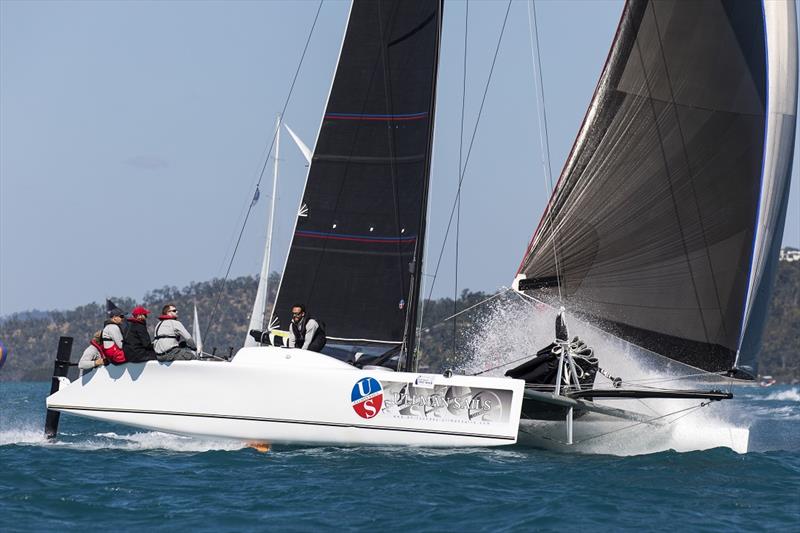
(791, 395)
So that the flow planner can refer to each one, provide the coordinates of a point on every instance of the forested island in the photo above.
(30, 338)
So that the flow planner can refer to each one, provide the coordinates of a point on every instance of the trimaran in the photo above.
(663, 230)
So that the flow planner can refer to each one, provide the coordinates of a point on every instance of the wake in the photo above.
(791, 395)
(140, 441)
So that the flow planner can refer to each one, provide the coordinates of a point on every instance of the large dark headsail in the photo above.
(361, 220)
(672, 200)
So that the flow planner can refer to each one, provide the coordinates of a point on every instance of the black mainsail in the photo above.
(664, 224)
(361, 222)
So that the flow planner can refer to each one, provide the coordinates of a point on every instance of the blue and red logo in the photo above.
(367, 397)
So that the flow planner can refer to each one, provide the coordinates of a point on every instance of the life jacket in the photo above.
(157, 336)
(114, 353)
(99, 347)
(319, 340)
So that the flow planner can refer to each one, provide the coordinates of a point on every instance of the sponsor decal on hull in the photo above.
(424, 400)
(367, 397)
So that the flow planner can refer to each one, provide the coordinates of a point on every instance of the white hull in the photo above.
(290, 396)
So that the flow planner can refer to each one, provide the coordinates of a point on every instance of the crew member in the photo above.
(112, 337)
(305, 332)
(138, 345)
(172, 341)
(92, 356)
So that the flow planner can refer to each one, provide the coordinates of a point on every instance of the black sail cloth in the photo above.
(360, 219)
(653, 219)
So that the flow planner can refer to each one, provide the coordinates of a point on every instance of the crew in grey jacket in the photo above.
(171, 340)
(92, 357)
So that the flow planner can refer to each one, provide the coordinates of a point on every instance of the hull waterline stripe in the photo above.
(276, 420)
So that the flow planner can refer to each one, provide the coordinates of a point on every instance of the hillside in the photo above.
(780, 347)
(31, 337)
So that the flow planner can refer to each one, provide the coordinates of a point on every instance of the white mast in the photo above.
(198, 337)
(258, 315)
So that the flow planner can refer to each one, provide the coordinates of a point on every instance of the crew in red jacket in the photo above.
(112, 337)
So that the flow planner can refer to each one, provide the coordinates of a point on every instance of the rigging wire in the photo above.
(544, 138)
(502, 365)
(485, 300)
(686, 411)
(224, 282)
(412, 326)
(469, 152)
(460, 168)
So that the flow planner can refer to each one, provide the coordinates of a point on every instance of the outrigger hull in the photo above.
(291, 396)
(603, 428)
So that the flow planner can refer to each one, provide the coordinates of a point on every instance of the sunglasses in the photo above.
(172, 311)
(297, 314)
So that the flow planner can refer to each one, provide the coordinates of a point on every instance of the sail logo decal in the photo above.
(367, 397)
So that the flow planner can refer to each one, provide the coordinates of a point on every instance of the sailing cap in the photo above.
(139, 310)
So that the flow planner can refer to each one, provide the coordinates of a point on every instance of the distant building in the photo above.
(790, 254)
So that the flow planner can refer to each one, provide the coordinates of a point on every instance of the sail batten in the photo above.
(655, 213)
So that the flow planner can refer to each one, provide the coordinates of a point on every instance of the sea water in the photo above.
(103, 475)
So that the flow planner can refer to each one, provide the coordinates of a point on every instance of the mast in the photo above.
(271, 226)
(258, 315)
(415, 267)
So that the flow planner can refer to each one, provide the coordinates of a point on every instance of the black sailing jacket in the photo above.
(137, 343)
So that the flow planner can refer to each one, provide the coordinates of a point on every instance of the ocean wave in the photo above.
(786, 412)
(791, 395)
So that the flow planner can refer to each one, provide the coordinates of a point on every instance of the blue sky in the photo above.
(132, 135)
